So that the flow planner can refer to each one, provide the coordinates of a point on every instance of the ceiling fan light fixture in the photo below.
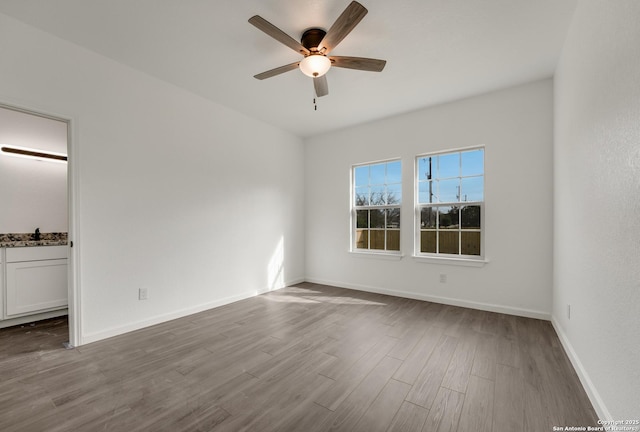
(315, 65)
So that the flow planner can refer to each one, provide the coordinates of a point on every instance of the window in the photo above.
(450, 203)
(375, 210)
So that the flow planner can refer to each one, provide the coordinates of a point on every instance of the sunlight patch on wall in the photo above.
(275, 271)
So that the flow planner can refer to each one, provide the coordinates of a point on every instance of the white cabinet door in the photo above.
(35, 286)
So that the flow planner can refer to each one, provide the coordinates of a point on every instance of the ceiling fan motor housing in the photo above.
(311, 38)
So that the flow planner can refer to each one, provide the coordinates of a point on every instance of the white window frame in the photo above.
(448, 257)
(354, 218)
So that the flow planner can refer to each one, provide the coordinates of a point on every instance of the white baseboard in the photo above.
(158, 319)
(592, 392)
(436, 299)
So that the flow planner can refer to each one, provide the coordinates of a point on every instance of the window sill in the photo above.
(466, 262)
(378, 255)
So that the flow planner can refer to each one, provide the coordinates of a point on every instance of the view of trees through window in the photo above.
(377, 194)
(449, 204)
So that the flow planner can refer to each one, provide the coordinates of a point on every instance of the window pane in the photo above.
(448, 217)
(393, 240)
(394, 172)
(377, 174)
(362, 196)
(362, 218)
(425, 192)
(362, 239)
(449, 165)
(470, 243)
(426, 167)
(394, 194)
(361, 176)
(377, 195)
(448, 242)
(376, 218)
(448, 190)
(428, 217)
(470, 217)
(376, 239)
(473, 162)
(428, 241)
(393, 218)
(472, 189)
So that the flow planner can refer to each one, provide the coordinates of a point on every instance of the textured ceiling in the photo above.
(436, 50)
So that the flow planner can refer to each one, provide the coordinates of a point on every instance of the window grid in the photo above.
(447, 227)
(376, 206)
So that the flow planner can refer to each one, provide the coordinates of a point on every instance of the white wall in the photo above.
(33, 192)
(597, 202)
(197, 203)
(515, 125)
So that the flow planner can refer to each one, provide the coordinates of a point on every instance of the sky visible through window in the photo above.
(378, 184)
(451, 177)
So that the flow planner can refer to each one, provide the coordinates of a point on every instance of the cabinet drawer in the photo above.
(36, 253)
(34, 286)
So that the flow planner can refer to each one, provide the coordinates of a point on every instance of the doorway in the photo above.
(37, 260)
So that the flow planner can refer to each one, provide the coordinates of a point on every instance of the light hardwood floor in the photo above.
(304, 358)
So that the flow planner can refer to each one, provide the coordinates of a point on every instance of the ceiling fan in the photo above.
(315, 46)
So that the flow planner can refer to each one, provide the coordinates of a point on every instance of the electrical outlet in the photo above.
(142, 294)
(568, 311)
(443, 278)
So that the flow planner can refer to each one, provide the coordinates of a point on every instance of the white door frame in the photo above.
(75, 329)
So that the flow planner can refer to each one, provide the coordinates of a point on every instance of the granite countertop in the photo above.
(27, 239)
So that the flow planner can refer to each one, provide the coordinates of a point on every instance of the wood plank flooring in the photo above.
(304, 358)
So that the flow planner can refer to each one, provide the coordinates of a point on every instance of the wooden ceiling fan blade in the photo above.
(359, 63)
(277, 71)
(346, 22)
(277, 34)
(321, 86)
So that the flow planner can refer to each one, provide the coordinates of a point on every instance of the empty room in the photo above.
(319, 215)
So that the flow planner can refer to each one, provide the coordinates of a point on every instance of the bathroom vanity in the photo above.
(33, 279)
